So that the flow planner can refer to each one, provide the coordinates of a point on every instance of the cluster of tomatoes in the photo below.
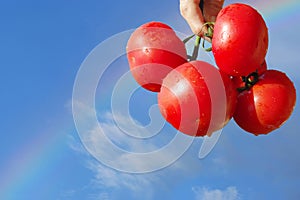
(198, 98)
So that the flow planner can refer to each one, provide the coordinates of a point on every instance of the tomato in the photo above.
(267, 105)
(240, 39)
(153, 50)
(197, 99)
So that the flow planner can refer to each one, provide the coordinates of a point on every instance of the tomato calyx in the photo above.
(249, 81)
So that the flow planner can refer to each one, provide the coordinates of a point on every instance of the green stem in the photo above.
(209, 34)
(196, 48)
(188, 39)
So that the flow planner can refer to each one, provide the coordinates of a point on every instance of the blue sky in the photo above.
(43, 46)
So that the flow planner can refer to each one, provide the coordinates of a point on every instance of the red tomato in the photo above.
(197, 99)
(153, 50)
(267, 105)
(240, 39)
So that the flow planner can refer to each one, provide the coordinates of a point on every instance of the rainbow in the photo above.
(277, 13)
(29, 163)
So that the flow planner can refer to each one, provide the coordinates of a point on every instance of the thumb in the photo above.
(211, 9)
(190, 10)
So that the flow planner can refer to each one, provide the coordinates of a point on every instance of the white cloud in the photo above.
(110, 145)
(111, 183)
(140, 186)
(203, 193)
(109, 179)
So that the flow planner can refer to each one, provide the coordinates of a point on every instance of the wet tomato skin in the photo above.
(267, 105)
(197, 99)
(240, 39)
(153, 50)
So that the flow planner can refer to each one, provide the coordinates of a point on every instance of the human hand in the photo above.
(191, 12)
